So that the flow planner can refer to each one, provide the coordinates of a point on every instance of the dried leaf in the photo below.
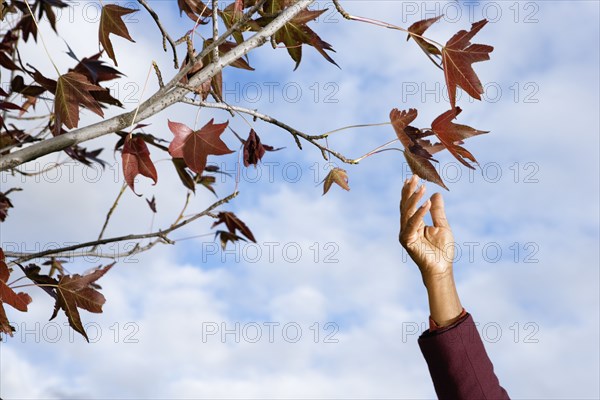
(419, 28)
(136, 160)
(296, 33)
(111, 22)
(8, 296)
(451, 135)
(152, 204)
(73, 89)
(233, 224)
(457, 57)
(254, 150)
(337, 176)
(195, 146)
(418, 158)
(5, 204)
(79, 291)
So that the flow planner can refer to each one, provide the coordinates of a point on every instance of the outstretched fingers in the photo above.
(410, 199)
(438, 214)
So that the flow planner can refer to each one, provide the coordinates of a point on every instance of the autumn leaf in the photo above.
(8, 296)
(232, 14)
(337, 176)
(195, 146)
(194, 9)
(254, 150)
(457, 57)
(451, 135)
(73, 89)
(417, 30)
(152, 204)
(233, 224)
(95, 69)
(5, 204)
(296, 33)
(79, 291)
(418, 158)
(111, 22)
(136, 160)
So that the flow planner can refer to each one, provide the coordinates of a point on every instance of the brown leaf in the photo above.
(79, 291)
(417, 157)
(233, 224)
(194, 9)
(8, 296)
(419, 28)
(457, 57)
(254, 150)
(337, 176)
(95, 69)
(451, 135)
(184, 176)
(296, 33)
(152, 204)
(5, 204)
(136, 160)
(422, 167)
(111, 22)
(73, 89)
(195, 146)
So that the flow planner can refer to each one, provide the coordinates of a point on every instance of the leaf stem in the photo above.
(375, 150)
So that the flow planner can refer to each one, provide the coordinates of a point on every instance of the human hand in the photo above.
(430, 247)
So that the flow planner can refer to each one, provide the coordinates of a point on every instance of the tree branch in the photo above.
(267, 118)
(161, 234)
(156, 103)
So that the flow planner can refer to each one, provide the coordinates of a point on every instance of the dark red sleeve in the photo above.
(459, 366)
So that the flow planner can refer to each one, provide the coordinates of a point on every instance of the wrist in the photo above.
(444, 304)
(437, 280)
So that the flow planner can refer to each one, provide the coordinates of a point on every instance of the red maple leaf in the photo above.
(8, 296)
(457, 57)
(452, 135)
(418, 158)
(195, 146)
(136, 160)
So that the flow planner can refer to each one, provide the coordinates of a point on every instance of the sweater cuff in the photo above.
(435, 327)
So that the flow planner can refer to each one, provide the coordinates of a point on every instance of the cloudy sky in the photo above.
(326, 304)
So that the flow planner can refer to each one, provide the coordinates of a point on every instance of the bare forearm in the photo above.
(444, 303)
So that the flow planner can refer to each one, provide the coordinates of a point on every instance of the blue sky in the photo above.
(330, 267)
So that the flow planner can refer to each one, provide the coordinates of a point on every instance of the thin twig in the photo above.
(215, 28)
(158, 74)
(267, 118)
(347, 16)
(110, 212)
(165, 34)
(162, 234)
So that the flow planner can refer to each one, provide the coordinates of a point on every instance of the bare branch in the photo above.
(267, 118)
(161, 234)
(165, 34)
(110, 212)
